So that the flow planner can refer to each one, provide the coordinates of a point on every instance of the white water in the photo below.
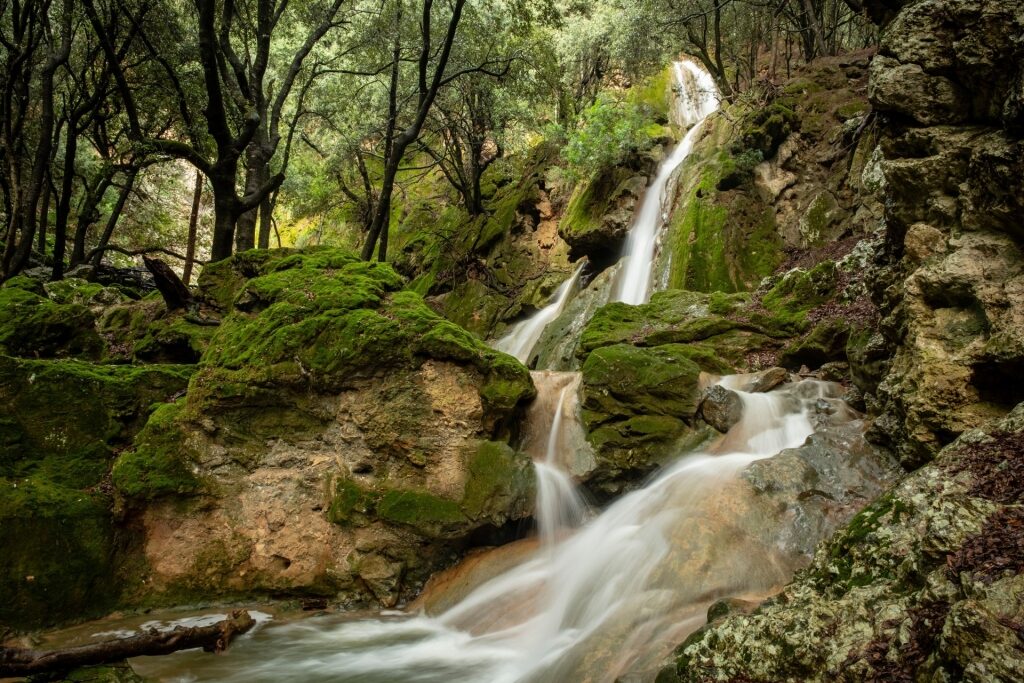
(698, 98)
(522, 336)
(607, 600)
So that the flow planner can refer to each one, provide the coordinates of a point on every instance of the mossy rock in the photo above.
(624, 380)
(63, 422)
(720, 236)
(499, 484)
(34, 326)
(78, 291)
(600, 213)
(146, 331)
(221, 282)
(671, 317)
(799, 291)
(60, 549)
(160, 464)
(325, 320)
(65, 418)
(825, 342)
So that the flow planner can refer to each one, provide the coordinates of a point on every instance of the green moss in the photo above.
(799, 291)
(34, 326)
(326, 325)
(672, 316)
(78, 291)
(851, 110)
(624, 380)
(499, 478)
(59, 554)
(160, 464)
(419, 509)
(63, 419)
(654, 95)
(824, 343)
(27, 284)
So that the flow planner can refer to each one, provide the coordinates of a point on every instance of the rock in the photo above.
(600, 213)
(340, 439)
(34, 326)
(766, 380)
(908, 90)
(721, 408)
(925, 582)
(922, 241)
(53, 489)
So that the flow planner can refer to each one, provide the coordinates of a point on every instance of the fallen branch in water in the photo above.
(23, 661)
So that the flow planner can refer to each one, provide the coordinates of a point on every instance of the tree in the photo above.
(37, 40)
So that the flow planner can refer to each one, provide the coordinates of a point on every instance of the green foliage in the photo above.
(609, 132)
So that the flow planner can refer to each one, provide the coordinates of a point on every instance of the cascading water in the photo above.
(521, 338)
(698, 98)
(605, 597)
(607, 600)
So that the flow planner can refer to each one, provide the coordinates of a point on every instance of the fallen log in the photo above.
(215, 638)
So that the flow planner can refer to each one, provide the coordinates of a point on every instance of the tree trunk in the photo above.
(176, 294)
(115, 214)
(193, 228)
(24, 662)
(44, 219)
(266, 221)
(60, 223)
(245, 228)
(225, 211)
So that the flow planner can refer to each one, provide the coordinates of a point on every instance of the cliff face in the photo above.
(925, 584)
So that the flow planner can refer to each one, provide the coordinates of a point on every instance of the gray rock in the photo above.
(721, 408)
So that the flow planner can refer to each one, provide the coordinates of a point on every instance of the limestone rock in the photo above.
(923, 582)
(340, 439)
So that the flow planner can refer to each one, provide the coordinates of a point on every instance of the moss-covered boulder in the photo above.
(146, 331)
(600, 213)
(64, 421)
(336, 409)
(33, 326)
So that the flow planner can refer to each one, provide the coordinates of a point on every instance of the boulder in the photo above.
(924, 582)
(339, 439)
(721, 408)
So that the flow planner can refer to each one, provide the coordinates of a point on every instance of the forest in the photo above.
(207, 128)
(512, 341)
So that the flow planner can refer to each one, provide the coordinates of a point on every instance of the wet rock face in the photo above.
(924, 584)
(947, 79)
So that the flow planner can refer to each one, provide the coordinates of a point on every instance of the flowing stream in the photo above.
(603, 596)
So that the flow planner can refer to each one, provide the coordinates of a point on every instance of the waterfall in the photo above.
(606, 596)
(522, 336)
(554, 440)
(698, 98)
(606, 600)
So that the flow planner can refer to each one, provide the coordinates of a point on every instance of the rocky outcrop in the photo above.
(952, 169)
(780, 172)
(339, 439)
(925, 583)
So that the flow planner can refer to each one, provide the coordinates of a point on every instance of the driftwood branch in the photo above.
(215, 638)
